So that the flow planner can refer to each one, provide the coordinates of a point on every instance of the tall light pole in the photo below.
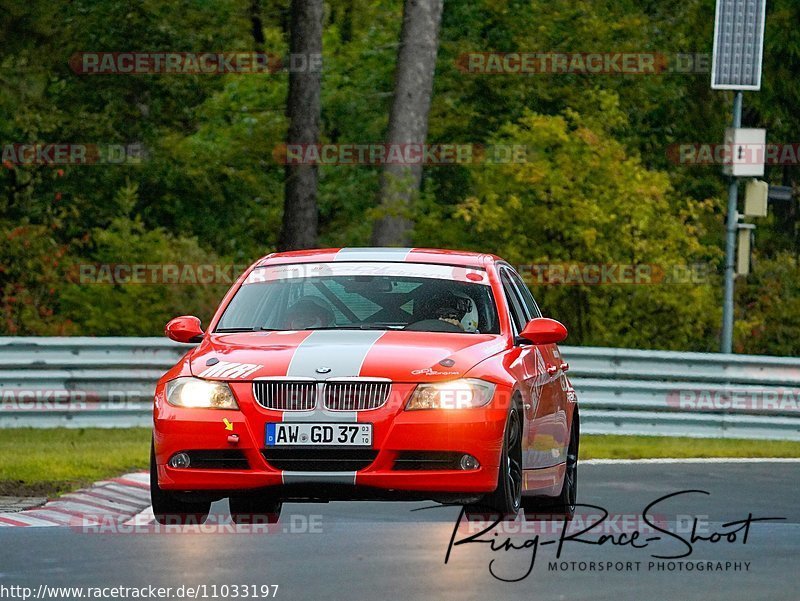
(736, 65)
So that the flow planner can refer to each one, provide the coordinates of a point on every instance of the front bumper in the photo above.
(478, 432)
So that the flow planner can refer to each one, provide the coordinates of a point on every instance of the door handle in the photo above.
(565, 366)
(551, 369)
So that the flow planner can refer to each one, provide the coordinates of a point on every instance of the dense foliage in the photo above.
(202, 183)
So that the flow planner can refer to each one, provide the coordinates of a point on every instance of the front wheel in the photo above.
(170, 510)
(506, 500)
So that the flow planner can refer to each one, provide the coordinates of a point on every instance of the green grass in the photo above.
(643, 447)
(49, 462)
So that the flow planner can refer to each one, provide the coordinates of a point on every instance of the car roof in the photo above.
(382, 254)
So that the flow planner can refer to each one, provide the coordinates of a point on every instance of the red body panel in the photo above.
(404, 357)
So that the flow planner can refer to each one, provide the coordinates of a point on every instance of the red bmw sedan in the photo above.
(367, 373)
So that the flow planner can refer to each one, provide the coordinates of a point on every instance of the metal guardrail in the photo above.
(108, 382)
(668, 393)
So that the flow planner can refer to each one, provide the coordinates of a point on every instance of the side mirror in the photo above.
(543, 331)
(185, 328)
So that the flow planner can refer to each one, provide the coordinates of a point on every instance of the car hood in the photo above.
(399, 355)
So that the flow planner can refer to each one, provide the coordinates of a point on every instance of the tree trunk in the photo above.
(299, 229)
(408, 121)
(257, 25)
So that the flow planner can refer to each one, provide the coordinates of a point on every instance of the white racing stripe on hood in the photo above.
(343, 352)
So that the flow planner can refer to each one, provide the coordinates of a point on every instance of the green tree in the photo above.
(105, 308)
(580, 197)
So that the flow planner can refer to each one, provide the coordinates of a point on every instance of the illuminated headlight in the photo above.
(196, 393)
(457, 394)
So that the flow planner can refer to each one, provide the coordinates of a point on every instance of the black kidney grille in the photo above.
(356, 395)
(285, 395)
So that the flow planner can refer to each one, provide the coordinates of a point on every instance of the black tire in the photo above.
(170, 510)
(255, 509)
(562, 506)
(506, 500)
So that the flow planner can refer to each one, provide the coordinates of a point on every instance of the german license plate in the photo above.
(312, 434)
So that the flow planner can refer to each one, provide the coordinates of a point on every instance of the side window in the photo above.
(518, 316)
(527, 297)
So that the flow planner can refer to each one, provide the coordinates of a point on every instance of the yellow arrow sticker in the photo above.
(228, 425)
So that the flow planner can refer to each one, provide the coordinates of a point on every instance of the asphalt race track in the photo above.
(386, 551)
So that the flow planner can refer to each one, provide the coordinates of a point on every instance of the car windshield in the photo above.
(385, 296)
